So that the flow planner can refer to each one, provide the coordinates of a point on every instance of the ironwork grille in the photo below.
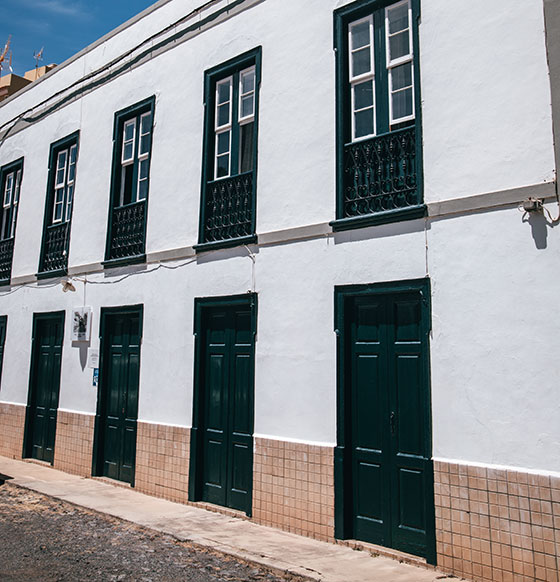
(55, 250)
(381, 174)
(228, 211)
(127, 231)
(6, 254)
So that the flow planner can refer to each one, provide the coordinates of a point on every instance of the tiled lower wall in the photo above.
(74, 442)
(497, 525)
(162, 461)
(12, 424)
(293, 487)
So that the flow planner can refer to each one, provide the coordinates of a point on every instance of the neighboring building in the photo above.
(10, 84)
(313, 294)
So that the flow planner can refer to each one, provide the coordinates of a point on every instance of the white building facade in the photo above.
(305, 271)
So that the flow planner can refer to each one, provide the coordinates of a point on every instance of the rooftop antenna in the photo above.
(4, 54)
(38, 57)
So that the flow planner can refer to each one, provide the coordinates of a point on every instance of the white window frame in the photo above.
(391, 64)
(357, 80)
(60, 186)
(15, 202)
(127, 123)
(142, 156)
(73, 150)
(220, 129)
(251, 117)
(9, 179)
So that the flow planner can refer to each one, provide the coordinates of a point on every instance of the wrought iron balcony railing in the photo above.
(381, 174)
(128, 227)
(6, 255)
(228, 208)
(55, 248)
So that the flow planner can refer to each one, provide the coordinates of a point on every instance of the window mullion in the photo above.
(381, 93)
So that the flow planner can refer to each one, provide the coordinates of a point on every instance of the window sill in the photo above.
(225, 244)
(397, 215)
(5, 282)
(124, 261)
(51, 274)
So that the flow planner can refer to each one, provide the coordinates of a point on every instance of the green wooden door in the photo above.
(46, 358)
(226, 406)
(389, 493)
(120, 345)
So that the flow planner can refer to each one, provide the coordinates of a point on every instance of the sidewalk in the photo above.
(320, 561)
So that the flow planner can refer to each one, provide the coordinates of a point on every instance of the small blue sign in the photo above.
(95, 376)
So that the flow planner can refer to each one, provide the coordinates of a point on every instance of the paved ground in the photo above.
(236, 537)
(48, 540)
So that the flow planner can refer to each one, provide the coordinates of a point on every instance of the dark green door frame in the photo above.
(203, 306)
(40, 319)
(98, 441)
(344, 298)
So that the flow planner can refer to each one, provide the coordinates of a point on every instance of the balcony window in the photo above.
(378, 119)
(10, 184)
(130, 183)
(227, 216)
(58, 208)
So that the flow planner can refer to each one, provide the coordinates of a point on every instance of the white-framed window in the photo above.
(223, 127)
(136, 143)
(398, 41)
(10, 200)
(64, 179)
(361, 68)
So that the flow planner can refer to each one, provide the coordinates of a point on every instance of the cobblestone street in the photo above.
(47, 540)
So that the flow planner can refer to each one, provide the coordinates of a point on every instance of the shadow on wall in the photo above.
(83, 348)
(540, 223)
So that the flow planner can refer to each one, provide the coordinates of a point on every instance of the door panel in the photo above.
(387, 420)
(119, 392)
(226, 400)
(44, 391)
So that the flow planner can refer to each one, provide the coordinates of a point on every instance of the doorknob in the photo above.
(393, 421)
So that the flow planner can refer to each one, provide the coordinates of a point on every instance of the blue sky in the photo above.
(62, 27)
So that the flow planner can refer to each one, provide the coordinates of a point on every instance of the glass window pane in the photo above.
(144, 144)
(402, 104)
(128, 150)
(224, 92)
(399, 45)
(246, 148)
(73, 151)
(144, 167)
(248, 82)
(363, 95)
(142, 189)
(361, 62)
(8, 189)
(146, 122)
(402, 76)
(61, 168)
(69, 197)
(359, 34)
(247, 105)
(18, 185)
(222, 166)
(129, 127)
(398, 18)
(223, 115)
(223, 143)
(57, 212)
(58, 195)
(363, 123)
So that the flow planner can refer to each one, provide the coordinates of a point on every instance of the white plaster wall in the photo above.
(495, 330)
(486, 97)
(493, 349)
